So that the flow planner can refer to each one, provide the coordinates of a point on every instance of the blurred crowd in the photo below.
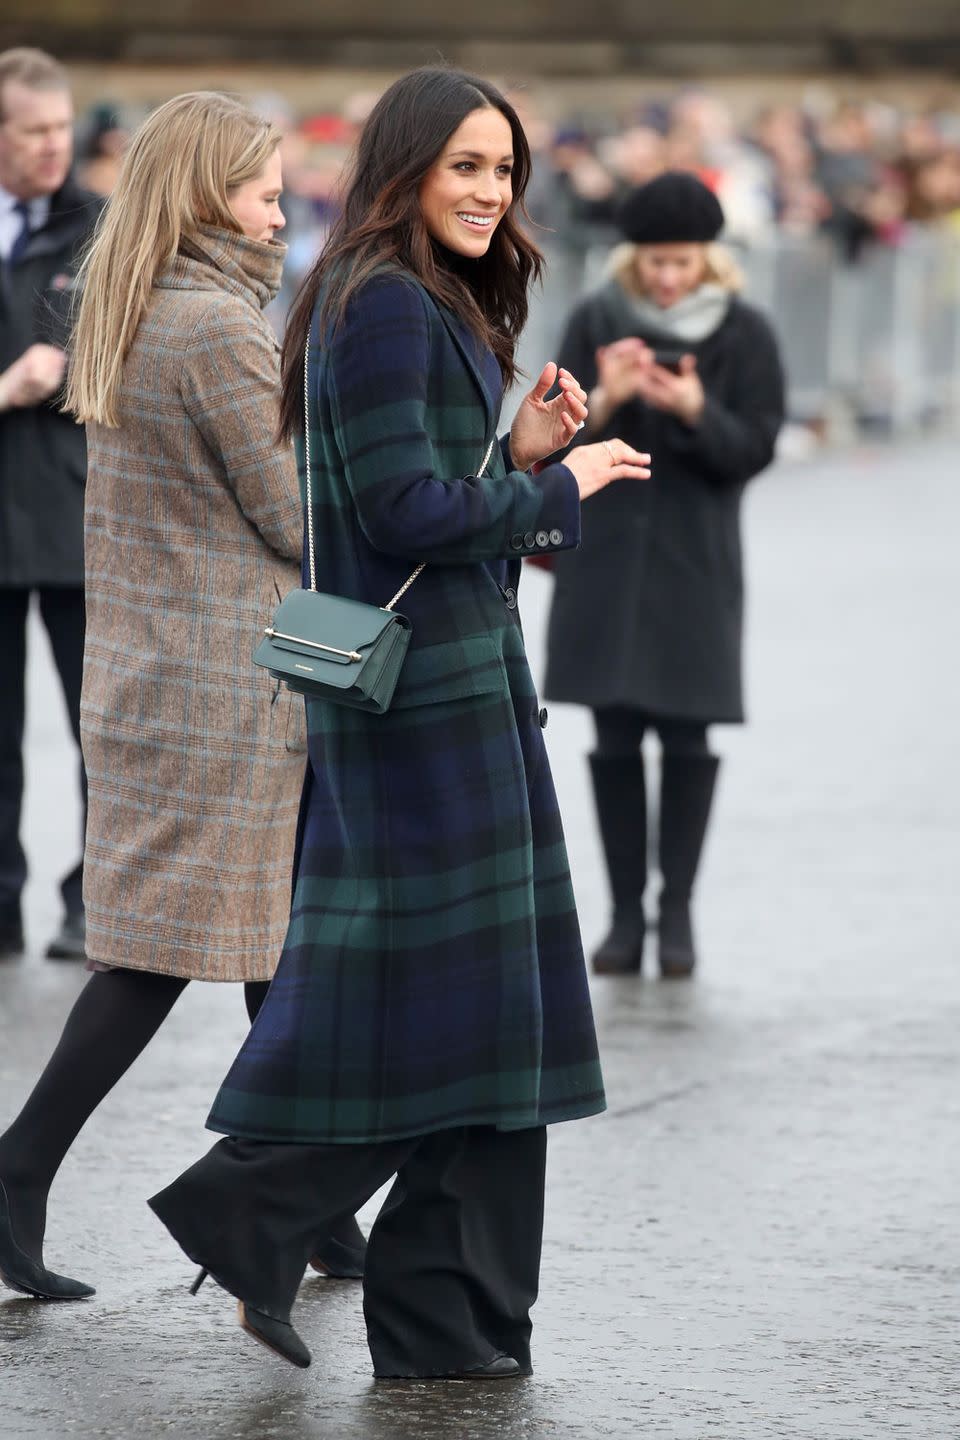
(862, 172)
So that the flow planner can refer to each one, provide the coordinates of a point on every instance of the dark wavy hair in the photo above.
(381, 221)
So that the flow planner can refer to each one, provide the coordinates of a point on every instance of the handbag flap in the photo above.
(308, 618)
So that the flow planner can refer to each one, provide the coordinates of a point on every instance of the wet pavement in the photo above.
(760, 1238)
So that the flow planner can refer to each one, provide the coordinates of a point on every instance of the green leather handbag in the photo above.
(331, 648)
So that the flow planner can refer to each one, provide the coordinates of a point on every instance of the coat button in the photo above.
(543, 539)
(510, 598)
(516, 542)
(543, 717)
(556, 537)
(529, 540)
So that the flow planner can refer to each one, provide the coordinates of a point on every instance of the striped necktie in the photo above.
(23, 238)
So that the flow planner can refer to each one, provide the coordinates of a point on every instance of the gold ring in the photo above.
(609, 449)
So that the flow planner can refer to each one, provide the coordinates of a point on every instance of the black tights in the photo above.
(114, 1018)
(620, 731)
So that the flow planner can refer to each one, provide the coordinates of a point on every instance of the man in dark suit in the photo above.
(45, 220)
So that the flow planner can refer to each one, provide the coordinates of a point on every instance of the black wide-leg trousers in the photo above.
(453, 1259)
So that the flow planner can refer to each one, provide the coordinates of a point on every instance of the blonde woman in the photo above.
(193, 529)
(647, 617)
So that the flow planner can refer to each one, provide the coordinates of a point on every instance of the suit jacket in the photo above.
(433, 974)
(195, 758)
(42, 450)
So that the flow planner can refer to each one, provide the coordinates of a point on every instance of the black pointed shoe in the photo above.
(342, 1252)
(27, 1276)
(275, 1335)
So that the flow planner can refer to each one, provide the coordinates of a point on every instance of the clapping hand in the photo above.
(543, 426)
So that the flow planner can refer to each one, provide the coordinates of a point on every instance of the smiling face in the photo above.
(255, 205)
(669, 272)
(467, 191)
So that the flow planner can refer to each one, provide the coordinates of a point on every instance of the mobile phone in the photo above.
(669, 359)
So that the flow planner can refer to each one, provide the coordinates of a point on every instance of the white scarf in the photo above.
(691, 319)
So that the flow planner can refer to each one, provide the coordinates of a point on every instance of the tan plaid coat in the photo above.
(195, 761)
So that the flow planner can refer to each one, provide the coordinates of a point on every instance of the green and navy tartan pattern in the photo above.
(433, 973)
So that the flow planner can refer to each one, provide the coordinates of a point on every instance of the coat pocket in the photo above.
(454, 670)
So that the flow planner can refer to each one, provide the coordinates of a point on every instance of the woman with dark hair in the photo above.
(430, 1015)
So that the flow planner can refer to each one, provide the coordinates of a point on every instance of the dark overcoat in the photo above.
(43, 457)
(648, 613)
(433, 974)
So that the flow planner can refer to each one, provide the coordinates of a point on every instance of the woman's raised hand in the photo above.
(594, 466)
(542, 426)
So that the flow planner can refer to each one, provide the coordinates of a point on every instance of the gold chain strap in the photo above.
(306, 448)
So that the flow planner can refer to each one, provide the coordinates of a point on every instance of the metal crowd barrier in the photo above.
(875, 340)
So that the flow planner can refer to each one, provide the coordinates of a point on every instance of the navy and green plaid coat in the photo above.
(432, 974)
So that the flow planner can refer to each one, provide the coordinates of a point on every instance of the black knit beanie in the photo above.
(675, 208)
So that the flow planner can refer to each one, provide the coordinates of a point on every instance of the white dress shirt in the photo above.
(10, 222)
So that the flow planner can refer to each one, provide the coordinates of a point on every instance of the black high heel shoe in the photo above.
(342, 1252)
(275, 1335)
(29, 1277)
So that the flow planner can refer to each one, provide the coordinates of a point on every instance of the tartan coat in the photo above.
(433, 974)
(195, 758)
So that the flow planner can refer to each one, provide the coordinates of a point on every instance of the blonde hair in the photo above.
(720, 268)
(176, 176)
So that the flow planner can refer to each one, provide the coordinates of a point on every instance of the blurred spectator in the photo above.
(862, 172)
(45, 222)
(646, 622)
(799, 203)
(933, 186)
(101, 151)
(865, 197)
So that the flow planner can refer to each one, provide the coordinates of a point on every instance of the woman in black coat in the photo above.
(647, 616)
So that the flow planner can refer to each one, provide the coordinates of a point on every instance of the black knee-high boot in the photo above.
(686, 798)
(620, 792)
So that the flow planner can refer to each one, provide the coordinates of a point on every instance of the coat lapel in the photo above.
(467, 346)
